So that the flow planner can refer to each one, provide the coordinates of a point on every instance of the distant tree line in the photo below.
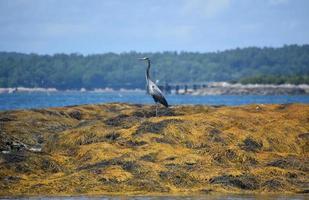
(272, 79)
(288, 64)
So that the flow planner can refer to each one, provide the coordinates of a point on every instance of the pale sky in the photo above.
(99, 26)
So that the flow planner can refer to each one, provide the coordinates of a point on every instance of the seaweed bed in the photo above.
(124, 149)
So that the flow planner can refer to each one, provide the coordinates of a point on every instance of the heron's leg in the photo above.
(156, 109)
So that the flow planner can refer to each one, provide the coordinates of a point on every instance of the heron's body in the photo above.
(156, 93)
(153, 89)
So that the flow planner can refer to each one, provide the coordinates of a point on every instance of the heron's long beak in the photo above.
(141, 58)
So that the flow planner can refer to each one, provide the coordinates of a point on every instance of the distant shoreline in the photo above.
(212, 88)
(224, 88)
(39, 89)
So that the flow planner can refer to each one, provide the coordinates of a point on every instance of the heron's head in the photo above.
(145, 58)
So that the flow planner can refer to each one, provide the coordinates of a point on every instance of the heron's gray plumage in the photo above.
(152, 88)
(156, 94)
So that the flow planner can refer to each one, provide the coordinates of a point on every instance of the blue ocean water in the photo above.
(54, 99)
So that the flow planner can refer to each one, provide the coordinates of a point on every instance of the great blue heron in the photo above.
(153, 89)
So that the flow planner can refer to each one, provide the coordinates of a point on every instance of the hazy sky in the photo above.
(98, 26)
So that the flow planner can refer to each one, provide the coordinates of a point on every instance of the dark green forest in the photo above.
(287, 64)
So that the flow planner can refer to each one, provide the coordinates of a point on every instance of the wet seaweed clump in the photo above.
(273, 185)
(214, 135)
(11, 158)
(290, 163)
(151, 157)
(178, 178)
(244, 181)
(250, 144)
(7, 118)
(50, 165)
(112, 136)
(75, 114)
(122, 121)
(156, 127)
(135, 143)
(150, 112)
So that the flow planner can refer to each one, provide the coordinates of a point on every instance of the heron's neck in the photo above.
(147, 71)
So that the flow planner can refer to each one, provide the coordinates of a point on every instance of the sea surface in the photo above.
(25, 100)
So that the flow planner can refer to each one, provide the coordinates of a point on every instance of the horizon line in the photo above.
(154, 52)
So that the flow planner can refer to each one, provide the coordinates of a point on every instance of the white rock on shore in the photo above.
(24, 89)
(224, 88)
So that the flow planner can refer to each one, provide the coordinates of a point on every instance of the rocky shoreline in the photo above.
(223, 88)
(124, 149)
(211, 88)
